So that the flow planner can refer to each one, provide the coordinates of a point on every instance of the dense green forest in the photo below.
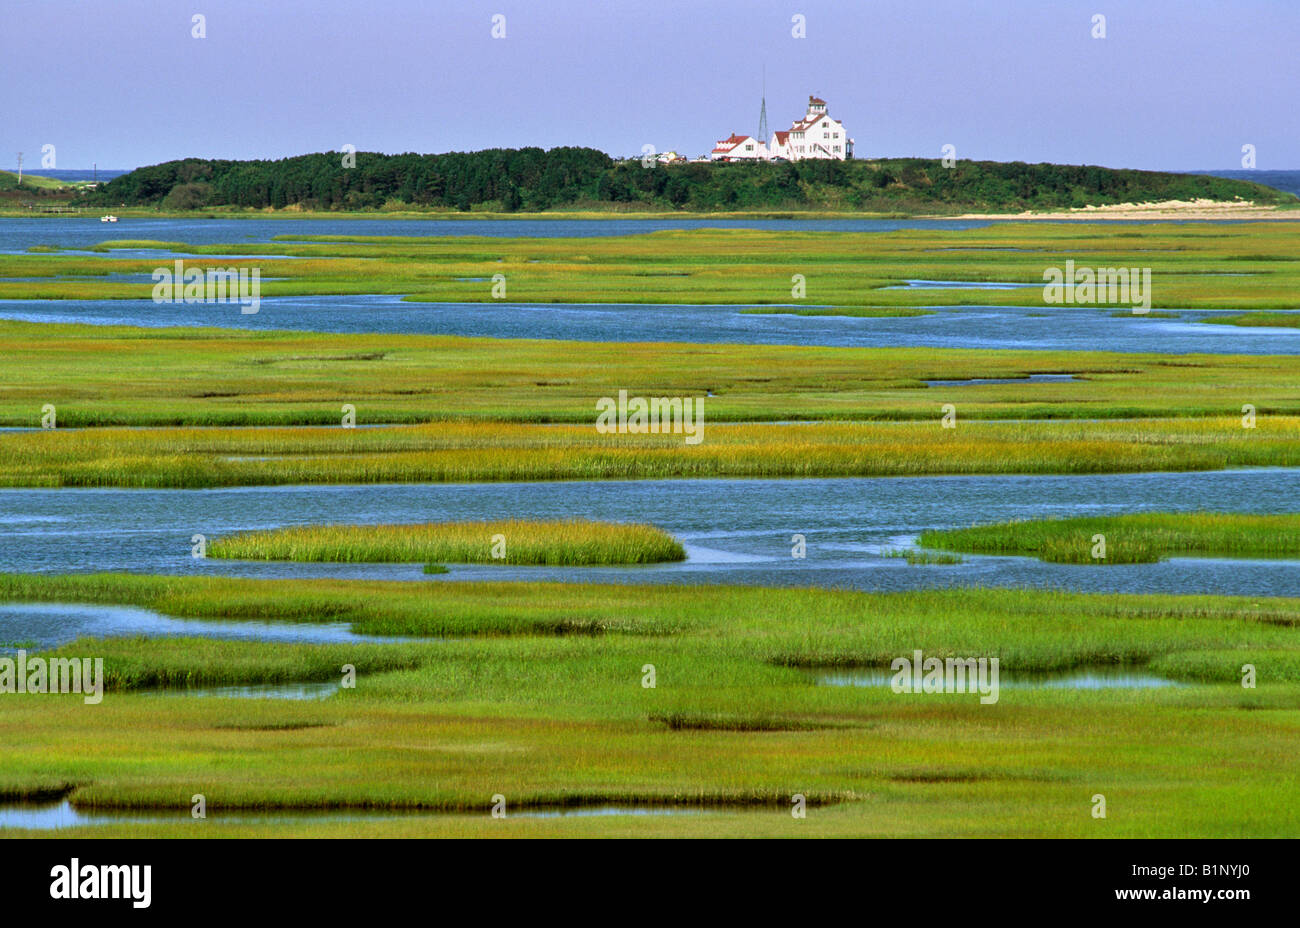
(531, 179)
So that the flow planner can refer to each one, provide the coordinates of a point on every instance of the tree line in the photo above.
(533, 179)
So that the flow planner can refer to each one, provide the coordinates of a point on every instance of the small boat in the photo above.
(108, 219)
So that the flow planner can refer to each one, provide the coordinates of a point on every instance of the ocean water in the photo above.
(1286, 181)
(103, 175)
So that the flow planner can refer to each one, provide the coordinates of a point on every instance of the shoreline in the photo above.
(1171, 209)
(1166, 209)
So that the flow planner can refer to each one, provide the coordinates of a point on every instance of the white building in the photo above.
(739, 148)
(817, 135)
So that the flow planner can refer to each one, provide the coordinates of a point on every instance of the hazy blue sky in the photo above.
(1176, 84)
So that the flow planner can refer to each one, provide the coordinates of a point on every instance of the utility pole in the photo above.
(95, 167)
(20, 169)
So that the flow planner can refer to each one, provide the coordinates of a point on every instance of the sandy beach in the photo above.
(1165, 209)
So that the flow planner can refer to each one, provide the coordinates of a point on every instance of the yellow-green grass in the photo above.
(572, 542)
(184, 663)
(1280, 320)
(472, 452)
(509, 705)
(1135, 538)
(114, 375)
(1193, 265)
(9, 181)
(1030, 630)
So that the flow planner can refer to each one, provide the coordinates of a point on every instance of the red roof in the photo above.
(781, 137)
(818, 100)
(729, 143)
(810, 121)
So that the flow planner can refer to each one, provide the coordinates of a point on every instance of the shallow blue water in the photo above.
(735, 531)
(19, 234)
(1057, 328)
(297, 692)
(1089, 678)
(958, 285)
(53, 816)
(32, 626)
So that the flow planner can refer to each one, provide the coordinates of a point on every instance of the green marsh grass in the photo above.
(1030, 630)
(733, 723)
(178, 663)
(113, 375)
(1136, 538)
(1197, 265)
(572, 543)
(539, 685)
(482, 451)
(1276, 320)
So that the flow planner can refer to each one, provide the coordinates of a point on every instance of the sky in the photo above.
(1173, 85)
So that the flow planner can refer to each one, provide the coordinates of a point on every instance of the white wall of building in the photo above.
(748, 149)
(817, 135)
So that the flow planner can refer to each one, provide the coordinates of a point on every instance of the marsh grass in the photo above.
(1137, 538)
(1030, 630)
(733, 722)
(915, 556)
(537, 684)
(1277, 320)
(570, 543)
(147, 663)
(117, 375)
(465, 452)
(1227, 666)
(1193, 262)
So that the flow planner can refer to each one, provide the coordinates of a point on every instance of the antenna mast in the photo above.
(762, 113)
